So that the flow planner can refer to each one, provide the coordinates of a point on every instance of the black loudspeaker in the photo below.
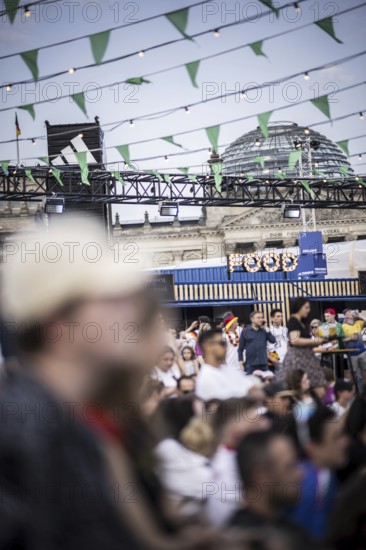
(362, 282)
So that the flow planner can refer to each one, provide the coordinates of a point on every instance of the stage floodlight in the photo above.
(291, 212)
(168, 208)
(54, 205)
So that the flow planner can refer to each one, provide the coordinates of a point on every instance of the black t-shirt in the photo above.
(295, 325)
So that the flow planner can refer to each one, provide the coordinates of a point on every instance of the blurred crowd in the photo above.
(119, 430)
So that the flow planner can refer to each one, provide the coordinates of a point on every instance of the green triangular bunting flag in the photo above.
(260, 160)
(11, 8)
(118, 177)
(99, 44)
(84, 169)
(80, 101)
(30, 59)
(29, 109)
(154, 173)
(170, 139)
(344, 170)
(293, 159)
(326, 25)
(45, 160)
(192, 178)
(280, 175)
(57, 175)
(306, 186)
(217, 169)
(124, 151)
(323, 104)
(269, 4)
(29, 175)
(344, 146)
(213, 135)
(167, 179)
(263, 122)
(184, 170)
(5, 166)
(137, 81)
(179, 19)
(257, 48)
(192, 69)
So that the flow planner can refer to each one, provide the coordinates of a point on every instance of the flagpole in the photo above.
(18, 156)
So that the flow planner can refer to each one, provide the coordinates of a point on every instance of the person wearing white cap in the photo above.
(79, 315)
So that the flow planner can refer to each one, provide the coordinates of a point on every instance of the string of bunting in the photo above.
(99, 43)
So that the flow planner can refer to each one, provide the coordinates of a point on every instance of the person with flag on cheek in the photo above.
(231, 334)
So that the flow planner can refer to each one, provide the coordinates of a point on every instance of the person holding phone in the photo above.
(353, 326)
(254, 340)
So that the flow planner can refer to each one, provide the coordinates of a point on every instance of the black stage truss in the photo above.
(142, 188)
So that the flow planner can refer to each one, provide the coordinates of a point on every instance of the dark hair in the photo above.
(297, 303)
(342, 385)
(252, 453)
(150, 386)
(193, 355)
(174, 415)
(184, 377)
(347, 309)
(294, 378)
(317, 421)
(208, 335)
(274, 311)
(329, 374)
(204, 319)
(356, 417)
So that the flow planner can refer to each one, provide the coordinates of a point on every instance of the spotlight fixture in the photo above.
(292, 211)
(141, 53)
(168, 208)
(315, 144)
(27, 11)
(216, 33)
(298, 144)
(306, 76)
(54, 205)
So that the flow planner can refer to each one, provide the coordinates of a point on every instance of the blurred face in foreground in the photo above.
(106, 332)
(285, 474)
(331, 451)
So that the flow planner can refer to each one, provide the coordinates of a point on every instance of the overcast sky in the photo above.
(290, 54)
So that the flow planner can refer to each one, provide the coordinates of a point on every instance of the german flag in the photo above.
(17, 127)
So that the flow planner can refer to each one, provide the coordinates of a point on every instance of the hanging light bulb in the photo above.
(216, 33)
(14, 172)
(34, 141)
(126, 166)
(50, 171)
(166, 158)
(306, 131)
(257, 142)
(141, 53)
(132, 124)
(361, 116)
(306, 76)
(187, 110)
(297, 7)
(81, 136)
(243, 95)
(72, 70)
(27, 11)
(8, 88)
(316, 164)
(360, 156)
(357, 178)
(210, 150)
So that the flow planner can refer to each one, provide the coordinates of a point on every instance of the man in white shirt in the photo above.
(281, 334)
(232, 333)
(216, 381)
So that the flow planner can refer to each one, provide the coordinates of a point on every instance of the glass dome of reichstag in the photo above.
(252, 154)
